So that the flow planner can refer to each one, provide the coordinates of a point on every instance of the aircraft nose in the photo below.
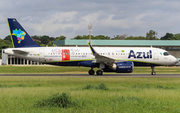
(175, 61)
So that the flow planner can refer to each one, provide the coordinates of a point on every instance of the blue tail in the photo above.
(19, 37)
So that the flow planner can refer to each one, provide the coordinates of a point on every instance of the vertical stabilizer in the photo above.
(19, 37)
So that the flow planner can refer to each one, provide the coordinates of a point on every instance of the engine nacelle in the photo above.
(121, 67)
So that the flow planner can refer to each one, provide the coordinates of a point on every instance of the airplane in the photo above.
(107, 59)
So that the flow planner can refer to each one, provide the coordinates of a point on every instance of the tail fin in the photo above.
(19, 37)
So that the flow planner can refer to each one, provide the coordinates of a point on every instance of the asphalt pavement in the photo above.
(104, 75)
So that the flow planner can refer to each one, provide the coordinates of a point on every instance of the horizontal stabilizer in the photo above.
(20, 52)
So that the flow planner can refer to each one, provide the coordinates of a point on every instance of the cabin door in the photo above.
(155, 55)
(41, 55)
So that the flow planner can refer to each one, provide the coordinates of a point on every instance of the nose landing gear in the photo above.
(153, 72)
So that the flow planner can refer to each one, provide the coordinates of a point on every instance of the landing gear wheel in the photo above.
(153, 73)
(99, 72)
(91, 72)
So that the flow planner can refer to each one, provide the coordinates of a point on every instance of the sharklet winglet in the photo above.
(92, 49)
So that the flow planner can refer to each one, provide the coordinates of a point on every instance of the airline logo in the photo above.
(19, 34)
(140, 55)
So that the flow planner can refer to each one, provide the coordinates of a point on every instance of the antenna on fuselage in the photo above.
(90, 27)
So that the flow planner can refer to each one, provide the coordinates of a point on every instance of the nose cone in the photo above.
(174, 60)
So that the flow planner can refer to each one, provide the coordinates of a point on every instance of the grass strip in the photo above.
(72, 70)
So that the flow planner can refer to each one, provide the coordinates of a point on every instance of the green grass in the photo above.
(21, 94)
(72, 70)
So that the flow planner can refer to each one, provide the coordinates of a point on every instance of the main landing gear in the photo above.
(91, 72)
(98, 72)
(153, 72)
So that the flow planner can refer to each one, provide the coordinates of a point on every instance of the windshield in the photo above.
(166, 53)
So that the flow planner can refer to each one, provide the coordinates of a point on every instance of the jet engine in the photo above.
(120, 67)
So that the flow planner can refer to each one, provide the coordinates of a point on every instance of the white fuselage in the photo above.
(69, 54)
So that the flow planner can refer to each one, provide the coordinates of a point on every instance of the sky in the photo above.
(108, 17)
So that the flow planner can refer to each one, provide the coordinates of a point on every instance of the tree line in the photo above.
(48, 41)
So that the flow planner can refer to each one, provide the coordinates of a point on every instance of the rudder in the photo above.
(19, 37)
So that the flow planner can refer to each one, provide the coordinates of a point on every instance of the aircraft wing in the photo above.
(101, 58)
(20, 52)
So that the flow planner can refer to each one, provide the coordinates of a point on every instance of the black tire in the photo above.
(91, 72)
(153, 73)
(99, 72)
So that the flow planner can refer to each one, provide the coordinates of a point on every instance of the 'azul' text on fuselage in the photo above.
(140, 54)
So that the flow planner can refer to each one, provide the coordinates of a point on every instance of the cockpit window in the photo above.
(166, 53)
